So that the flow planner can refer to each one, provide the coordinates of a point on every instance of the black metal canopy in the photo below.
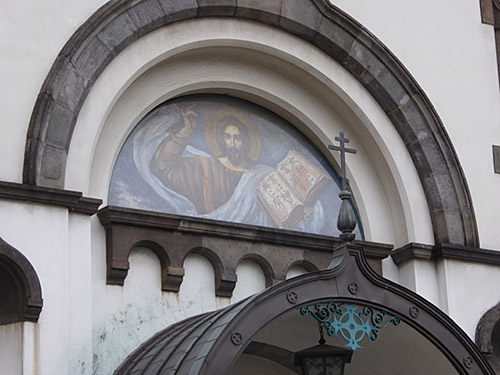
(211, 343)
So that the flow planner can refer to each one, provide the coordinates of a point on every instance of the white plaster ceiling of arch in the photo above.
(275, 70)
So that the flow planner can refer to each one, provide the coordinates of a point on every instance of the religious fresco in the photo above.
(222, 158)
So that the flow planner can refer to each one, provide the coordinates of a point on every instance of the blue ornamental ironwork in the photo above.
(352, 322)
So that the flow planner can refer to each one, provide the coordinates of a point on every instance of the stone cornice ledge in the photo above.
(415, 250)
(173, 237)
(73, 200)
(134, 217)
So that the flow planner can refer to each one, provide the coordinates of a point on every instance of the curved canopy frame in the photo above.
(212, 342)
(120, 22)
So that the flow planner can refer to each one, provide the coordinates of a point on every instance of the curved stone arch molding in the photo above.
(27, 279)
(118, 23)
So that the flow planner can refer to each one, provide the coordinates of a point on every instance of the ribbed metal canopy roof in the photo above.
(182, 347)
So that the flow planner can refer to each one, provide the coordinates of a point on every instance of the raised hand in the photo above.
(190, 118)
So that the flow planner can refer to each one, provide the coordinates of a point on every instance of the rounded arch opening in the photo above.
(198, 290)
(251, 279)
(372, 185)
(20, 289)
(265, 266)
(353, 47)
(299, 268)
(156, 248)
(210, 256)
(224, 275)
(12, 294)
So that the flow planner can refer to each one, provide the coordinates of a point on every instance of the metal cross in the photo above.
(343, 151)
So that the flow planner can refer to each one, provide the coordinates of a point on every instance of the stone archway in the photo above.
(119, 23)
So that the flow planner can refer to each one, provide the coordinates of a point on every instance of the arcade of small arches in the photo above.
(224, 245)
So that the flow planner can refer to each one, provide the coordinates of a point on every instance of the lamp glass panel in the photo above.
(322, 366)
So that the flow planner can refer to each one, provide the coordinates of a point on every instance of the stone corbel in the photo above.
(171, 278)
(225, 283)
(117, 270)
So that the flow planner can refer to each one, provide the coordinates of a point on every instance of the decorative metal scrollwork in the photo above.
(352, 322)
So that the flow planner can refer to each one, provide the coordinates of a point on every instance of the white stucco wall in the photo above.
(11, 349)
(251, 280)
(444, 46)
(124, 317)
(471, 290)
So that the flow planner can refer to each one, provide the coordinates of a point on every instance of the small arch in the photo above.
(488, 336)
(300, 267)
(155, 248)
(171, 277)
(264, 264)
(225, 278)
(305, 264)
(211, 256)
(144, 274)
(251, 280)
(20, 289)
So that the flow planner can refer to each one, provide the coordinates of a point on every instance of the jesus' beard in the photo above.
(235, 156)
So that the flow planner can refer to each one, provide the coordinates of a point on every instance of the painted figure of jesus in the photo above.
(208, 182)
(220, 158)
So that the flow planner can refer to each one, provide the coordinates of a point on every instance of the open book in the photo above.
(289, 192)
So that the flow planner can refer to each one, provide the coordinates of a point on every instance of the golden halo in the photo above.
(215, 118)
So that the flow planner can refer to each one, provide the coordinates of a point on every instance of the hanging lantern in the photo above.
(323, 360)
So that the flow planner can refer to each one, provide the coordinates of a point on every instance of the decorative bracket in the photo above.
(352, 322)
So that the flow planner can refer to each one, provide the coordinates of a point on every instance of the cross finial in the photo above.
(343, 150)
(346, 221)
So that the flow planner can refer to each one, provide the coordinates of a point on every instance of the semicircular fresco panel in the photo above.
(226, 159)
